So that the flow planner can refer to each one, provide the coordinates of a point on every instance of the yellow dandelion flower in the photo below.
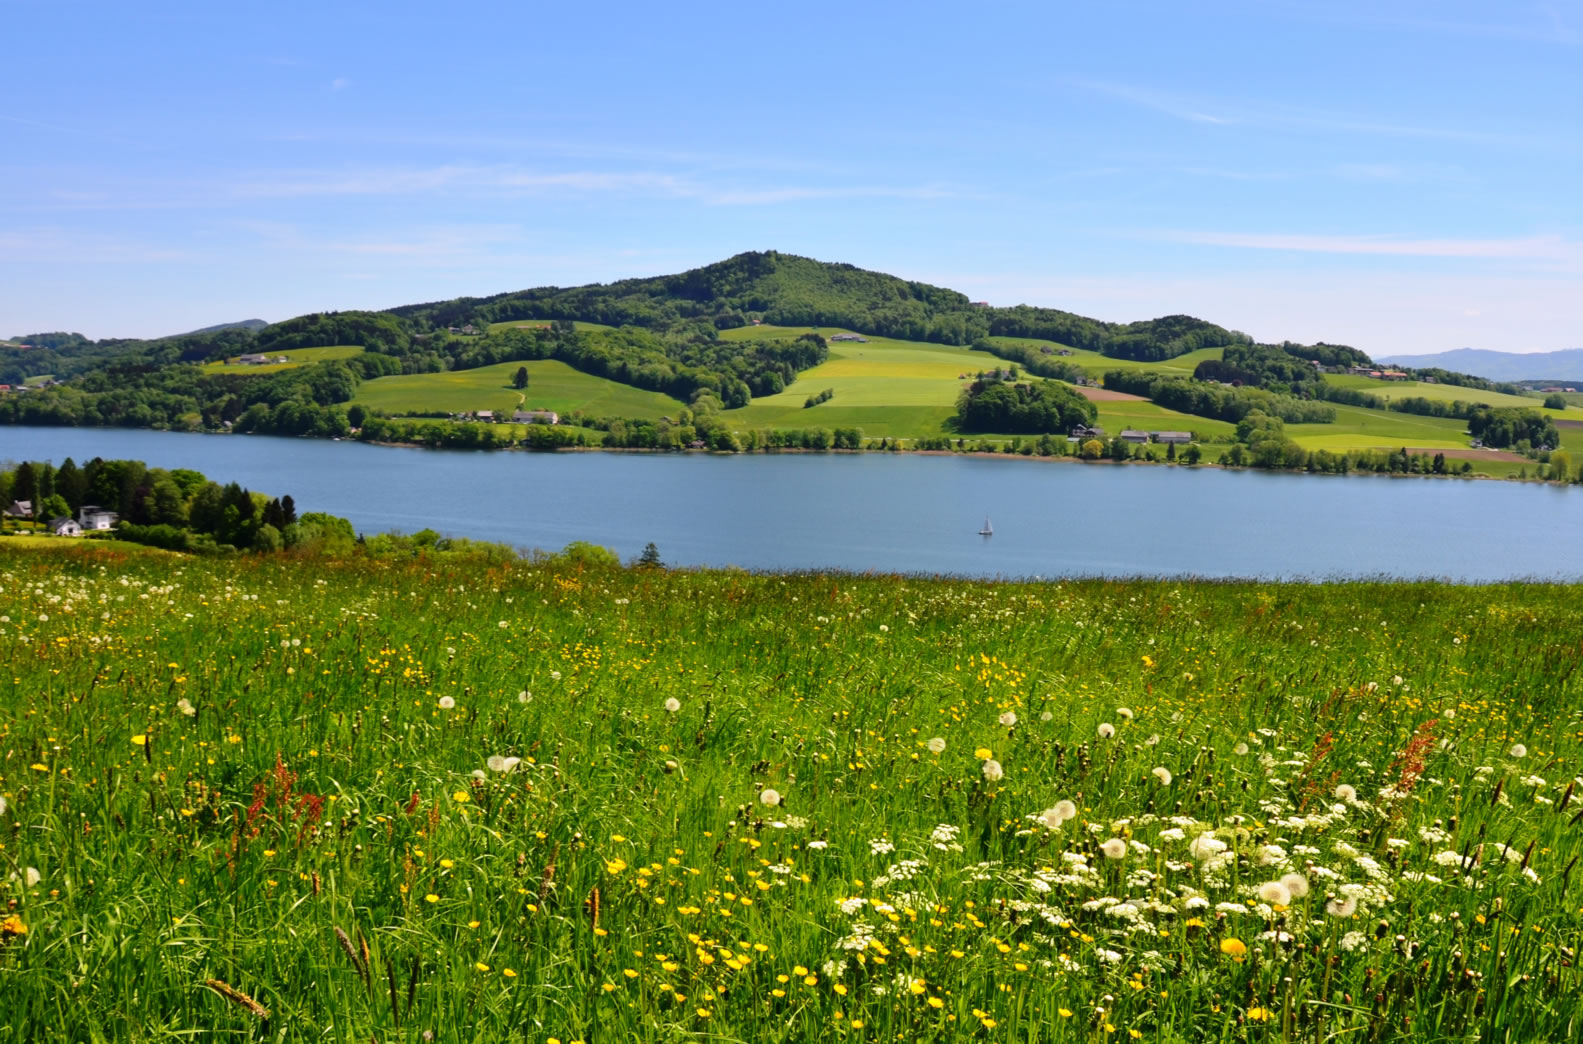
(1234, 948)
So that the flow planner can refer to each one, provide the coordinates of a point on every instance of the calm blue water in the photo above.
(893, 512)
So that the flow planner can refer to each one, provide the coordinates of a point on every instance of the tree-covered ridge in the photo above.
(787, 290)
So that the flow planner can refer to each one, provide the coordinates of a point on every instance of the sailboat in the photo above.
(988, 529)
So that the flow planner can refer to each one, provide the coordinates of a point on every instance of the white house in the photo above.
(20, 509)
(93, 517)
(536, 417)
(64, 526)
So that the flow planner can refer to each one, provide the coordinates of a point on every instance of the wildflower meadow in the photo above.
(283, 799)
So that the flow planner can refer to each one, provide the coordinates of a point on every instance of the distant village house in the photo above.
(96, 519)
(64, 526)
(20, 509)
(535, 417)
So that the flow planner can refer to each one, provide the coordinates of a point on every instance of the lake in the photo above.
(893, 512)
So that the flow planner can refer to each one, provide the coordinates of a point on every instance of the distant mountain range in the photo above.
(1565, 365)
(245, 324)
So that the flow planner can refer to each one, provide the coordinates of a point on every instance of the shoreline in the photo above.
(1458, 455)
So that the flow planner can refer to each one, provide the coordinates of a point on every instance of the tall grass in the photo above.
(324, 849)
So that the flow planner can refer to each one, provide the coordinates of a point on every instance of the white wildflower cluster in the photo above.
(944, 837)
(880, 846)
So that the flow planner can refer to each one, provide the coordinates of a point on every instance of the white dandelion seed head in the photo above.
(1275, 893)
(1296, 884)
(1152, 740)
(1009, 719)
(480, 774)
(1518, 751)
(1124, 713)
(1047, 716)
(770, 796)
(32, 876)
(1115, 848)
(447, 702)
(1346, 792)
(1448, 713)
(1206, 846)
(555, 676)
(1342, 907)
(672, 704)
(1066, 809)
(1240, 749)
(1051, 819)
(1163, 774)
(1106, 730)
(185, 706)
(992, 770)
(937, 745)
(524, 696)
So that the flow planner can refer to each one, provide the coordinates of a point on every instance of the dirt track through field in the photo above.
(1106, 395)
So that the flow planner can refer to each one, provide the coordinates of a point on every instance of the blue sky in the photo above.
(1403, 176)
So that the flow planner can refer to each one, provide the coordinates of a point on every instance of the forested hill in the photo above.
(787, 290)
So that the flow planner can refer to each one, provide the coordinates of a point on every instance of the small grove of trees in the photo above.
(814, 400)
(1511, 426)
(1218, 401)
(1555, 401)
(1041, 407)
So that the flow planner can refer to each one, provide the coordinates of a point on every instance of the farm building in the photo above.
(1134, 436)
(1180, 438)
(64, 526)
(94, 517)
(20, 509)
(536, 417)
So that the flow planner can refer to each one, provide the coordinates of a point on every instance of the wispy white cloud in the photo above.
(54, 243)
(1225, 111)
(340, 83)
(1530, 248)
(509, 181)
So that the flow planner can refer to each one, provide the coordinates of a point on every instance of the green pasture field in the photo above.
(907, 389)
(38, 379)
(531, 323)
(266, 798)
(89, 545)
(552, 385)
(1096, 364)
(1358, 428)
(1441, 392)
(298, 357)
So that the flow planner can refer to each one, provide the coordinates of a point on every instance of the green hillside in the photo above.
(1389, 390)
(787, 290)
(297, 357)
(552, 385)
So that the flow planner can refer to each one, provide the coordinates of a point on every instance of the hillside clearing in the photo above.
(552, 385)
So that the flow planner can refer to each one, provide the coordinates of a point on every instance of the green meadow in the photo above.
(445, 799)
(908, 389)
(1096, 364)
(552, 385)
(298, 357)
(1389, 390)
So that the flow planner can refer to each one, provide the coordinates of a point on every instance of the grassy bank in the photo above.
(549, 804)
